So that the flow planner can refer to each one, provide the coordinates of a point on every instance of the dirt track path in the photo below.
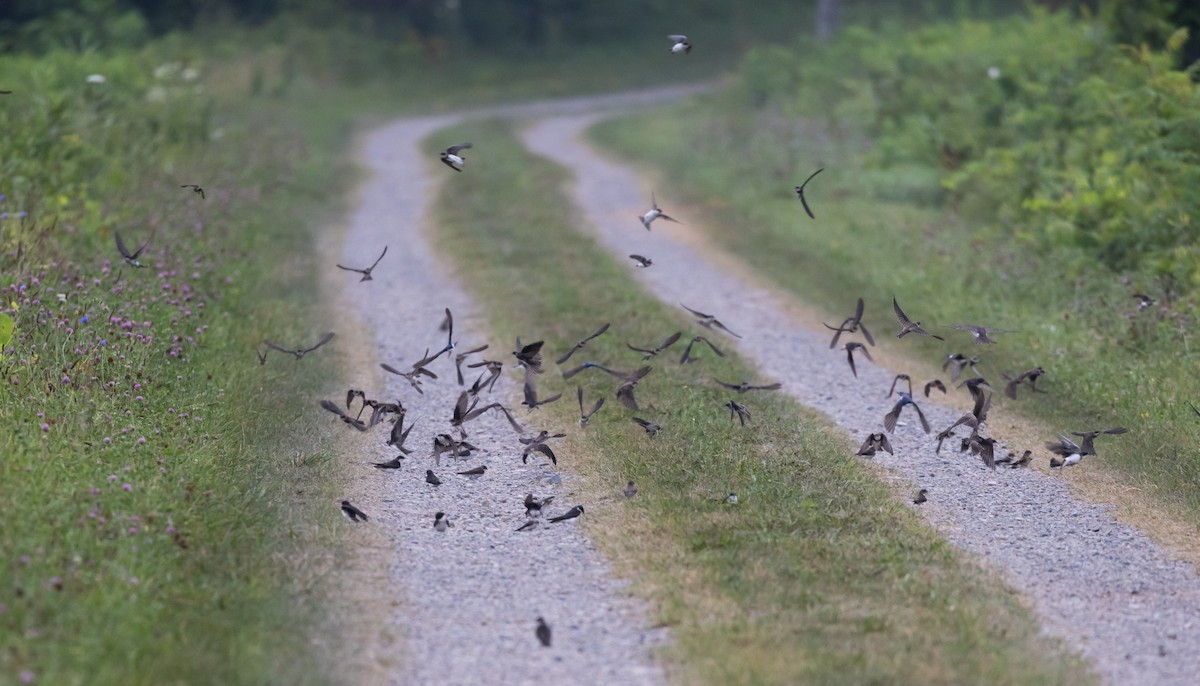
(1103, 586)
(463, 603)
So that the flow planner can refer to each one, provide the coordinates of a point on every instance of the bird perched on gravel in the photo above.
(850, 325)
(875, 443)
(850, 348)
(655, 213)
(803, 200)
(431, 478)
(366, 272)
(569, 514)
(353, 513)
(680, 44)
(889, 420)
(533, 506)
(708, 321)
(441, 522)
(452, 157)
(475, 473)
(920, 496)
(908, 326)
(543, 632)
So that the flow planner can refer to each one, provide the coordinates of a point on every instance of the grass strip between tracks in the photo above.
(820, 574)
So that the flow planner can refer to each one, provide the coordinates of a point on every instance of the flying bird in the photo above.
(1144, 301)
(745, 387)
(979, 332)
(889, 420)
(1067, 450)
(850, 348)
(958, 361)
(642, 262)
(650, 427)
(585, 417)
(451, 157)
(353, 513)
(569, 514)
(592, 365)
(655, 212)
(742, 412)
(195, 189)
(131, 258)
(366, 273)
(687, 353)
(652, 352)
(708, 321)
(533, 506)
(531, 396)
(936, 383)
(262, 356)
(334, 408)
(529, 356)
(1090, 436)
(875, 443)
(581, 344)
(850, 325)
(625, 390)
(900, 377)
(803, 201)
(681, 44)
(459, 358)
(1030, 376)
(909, 326)
(300, 352)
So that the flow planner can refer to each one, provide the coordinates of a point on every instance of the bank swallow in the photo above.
(569, 514)
(366, 273)
(875, 443)
(900, 377)
(529, 356)
(920, 496)
(333, 407)
(475, 473)
(533, 506)
(742, 412)
(958, 361)
(131, 258)
(353, 513)
(1030, 376)
(585, 417)
(583, 343)
(452, 158)
(625, 390)
(195, 189)
(979, 332)
(431, 478)
(652, 352)
(850, 325)
(650, 427)
(850, 348)
(936, 383)
(800, 192)
(543, 632)
(687, 353)
(708, 321)
(300, 352)
(459, 358)
(655, 213)
(441, 522)
(908, 326)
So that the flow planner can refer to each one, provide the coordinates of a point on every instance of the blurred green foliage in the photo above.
(1039, 126)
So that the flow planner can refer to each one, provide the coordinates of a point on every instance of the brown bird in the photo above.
(592, 365)
(195, 189)
(459, 358)
(333, 407)
(687, 353)
(543, 632)
(399, 435)
(909, 326)
(413, 375)
(475, 473)
(1030, 376)
(900, 377)
(625, 390)
(889, 420)
(968, 419)
(850, 325)
(533, 506)
(581, 344)
(959, 361)
(742, 412)
(850, 348)
(630, 489)
(979, 332)
(585, 417)
(745, 387)
(936, 383)
(875, 443)
(800, 192)
(493, 368)
(531, 397)
(366, 273)
(1024, 460)
(650, 427)
(708, 321)
(986, 449)
(529, 356)
(538, 443)
(1090, 436)
(651, 352)
(300, 352)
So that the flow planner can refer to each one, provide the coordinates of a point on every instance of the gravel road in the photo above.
(467, 600)
(1104, 587)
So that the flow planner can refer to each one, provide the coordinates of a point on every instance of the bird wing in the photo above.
(900, 316)
(807, 209)
(709, 343)
(380, 257)
(598, 332)
(698, 314)
(281, 349)
(921, 416)
(866, 334)
(455, 149)
(328, 337)
(121, 245)
(717, 323)
(678, 38)
(850, 359)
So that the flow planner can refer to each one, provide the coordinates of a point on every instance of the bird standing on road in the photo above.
(353, 513)
(543, 632)
(569, 514)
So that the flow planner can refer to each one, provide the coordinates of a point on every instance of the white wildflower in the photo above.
(96, 78)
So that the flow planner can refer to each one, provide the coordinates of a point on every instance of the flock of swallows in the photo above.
(1067, 452)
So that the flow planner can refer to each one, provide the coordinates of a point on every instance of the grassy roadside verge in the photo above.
(819, 575)
(1108, 362)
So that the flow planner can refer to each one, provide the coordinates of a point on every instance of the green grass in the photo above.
(820, 575)
(875, 236)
